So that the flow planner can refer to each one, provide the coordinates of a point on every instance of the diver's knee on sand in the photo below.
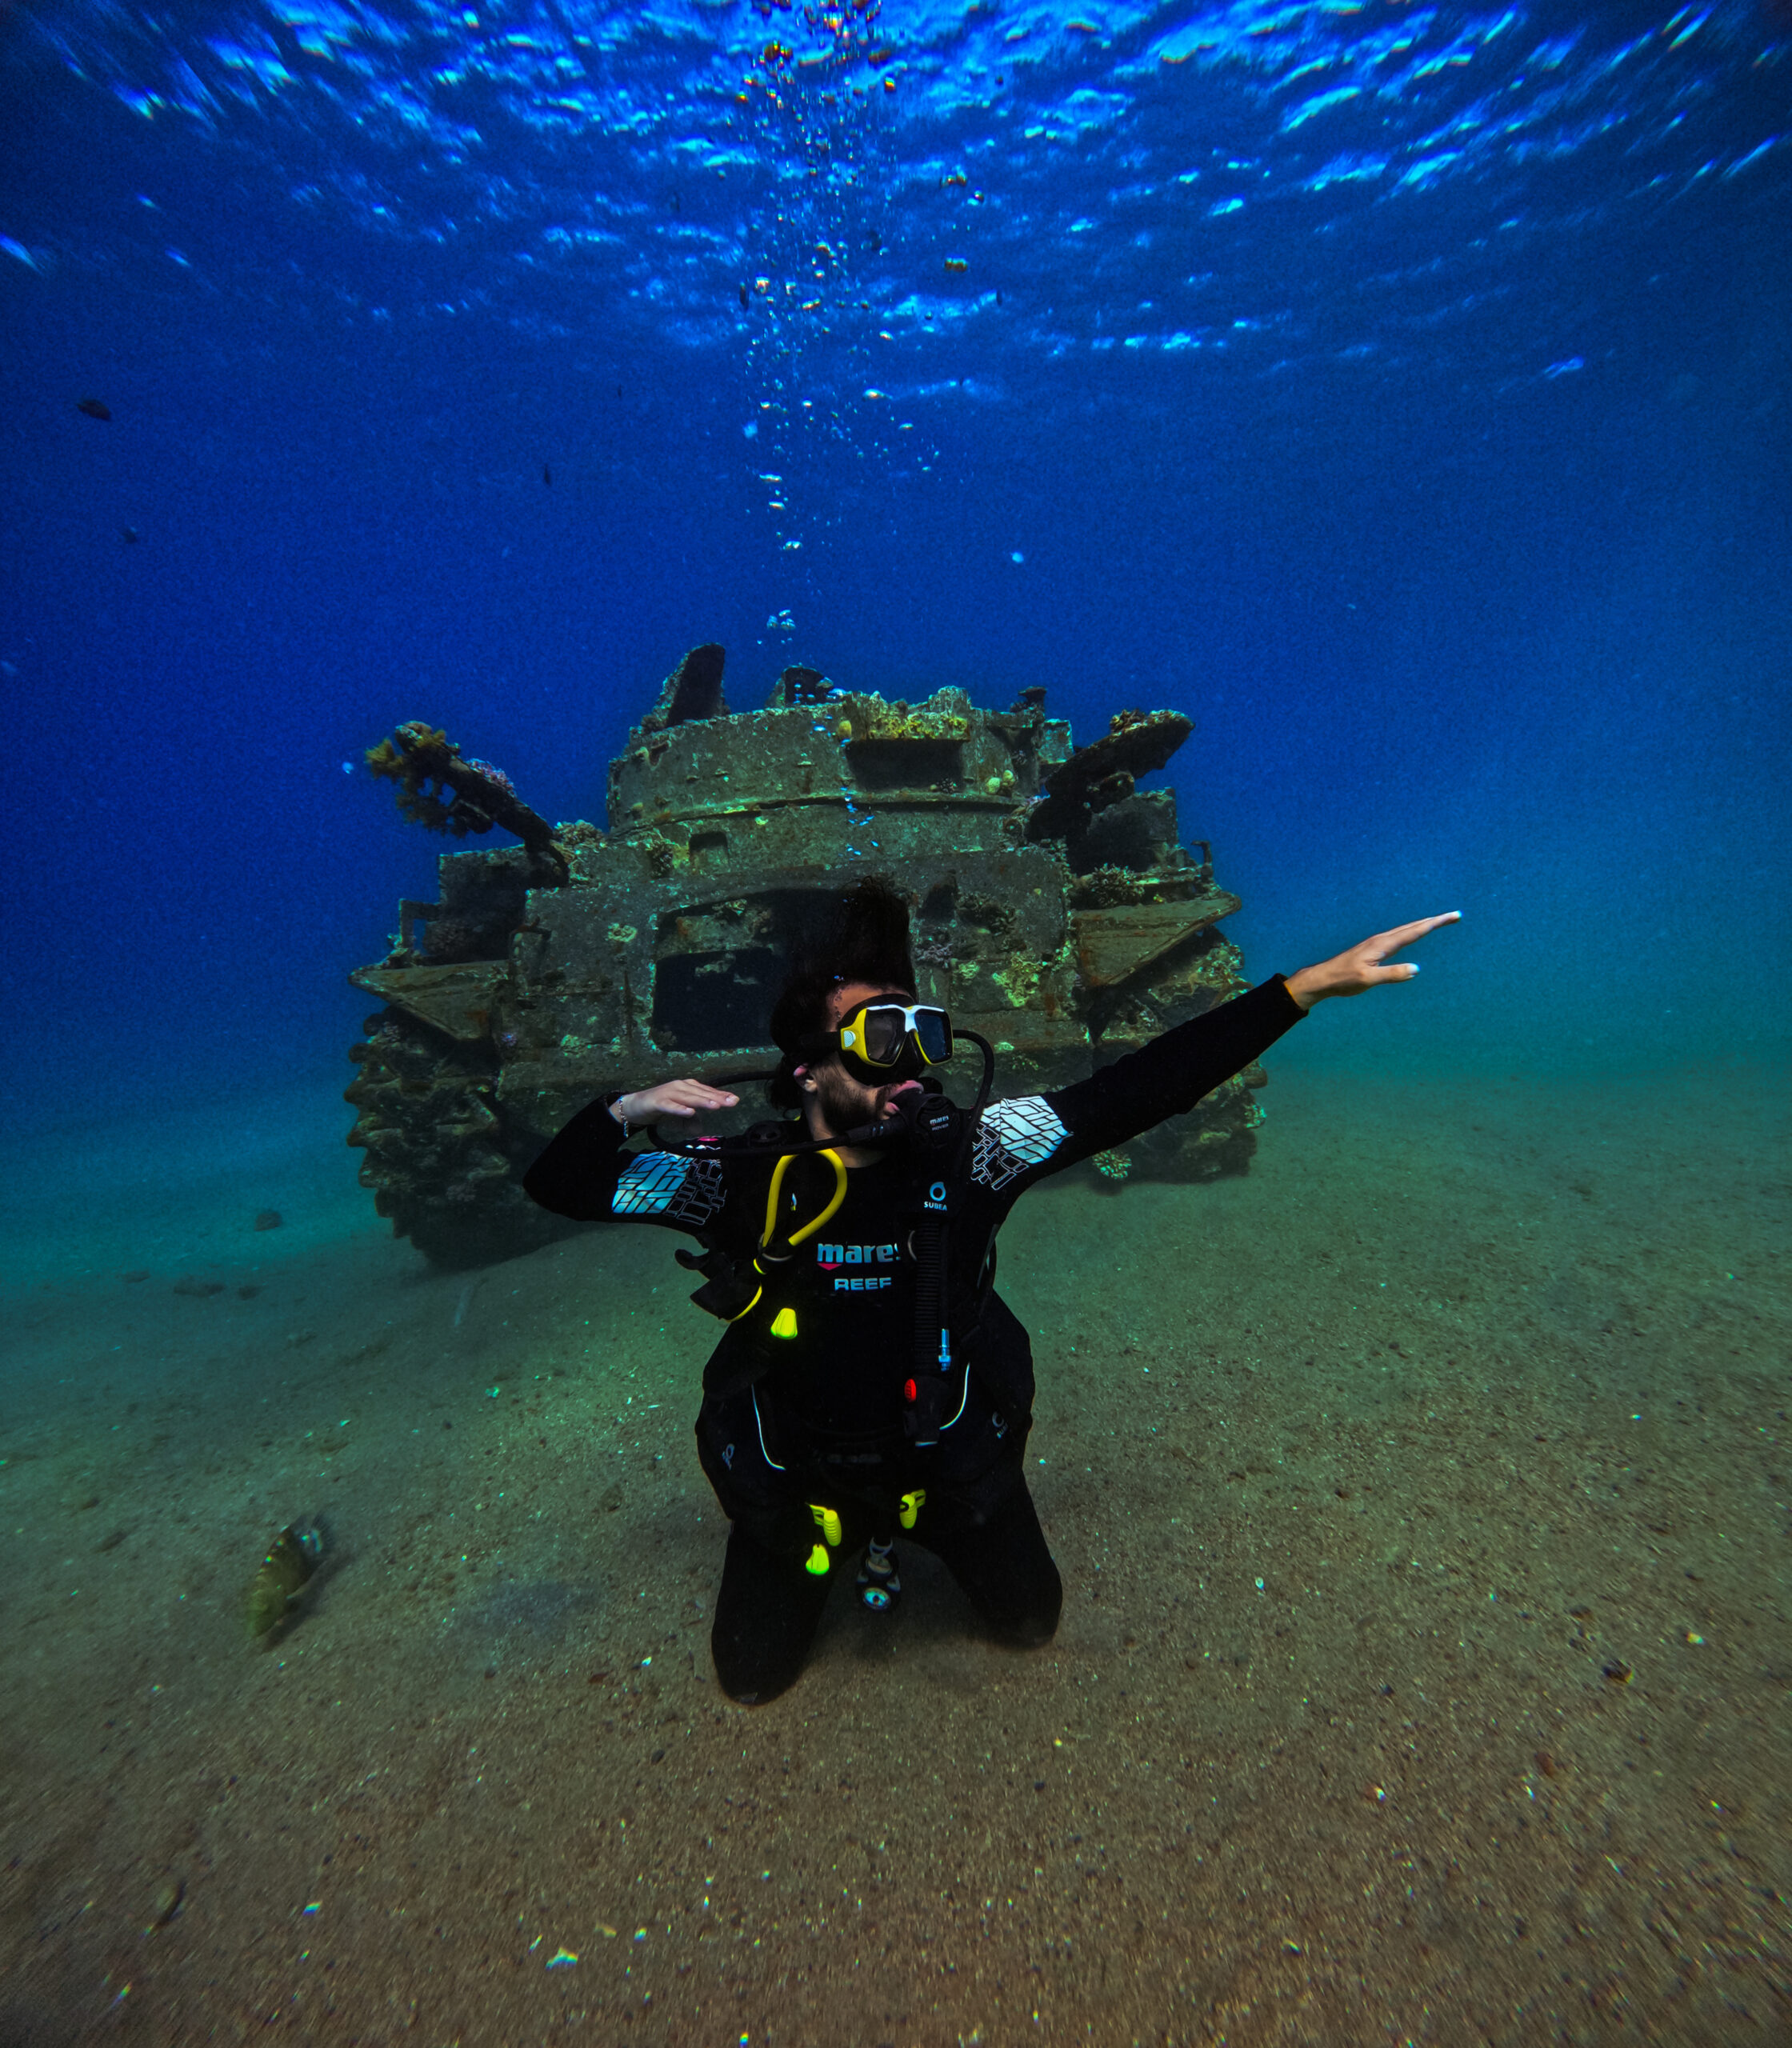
(767, 1615)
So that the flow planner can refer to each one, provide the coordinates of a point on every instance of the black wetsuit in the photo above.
(818, 1420)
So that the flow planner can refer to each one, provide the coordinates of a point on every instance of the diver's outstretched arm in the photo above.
(1364, 967)
(670, 1099)
(585, 1172)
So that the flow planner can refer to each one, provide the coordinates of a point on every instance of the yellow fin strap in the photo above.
(817, 1561)
(784, 1323)
(912, 1504)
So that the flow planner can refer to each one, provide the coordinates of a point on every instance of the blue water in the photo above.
(1400, 391)
(1403, 391)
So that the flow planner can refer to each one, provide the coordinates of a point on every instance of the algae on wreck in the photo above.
(1055, 908)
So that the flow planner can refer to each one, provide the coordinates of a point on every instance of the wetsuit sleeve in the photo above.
(584, 1174)
(1022, 1140)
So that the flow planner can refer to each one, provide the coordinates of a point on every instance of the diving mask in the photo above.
(891, 1041)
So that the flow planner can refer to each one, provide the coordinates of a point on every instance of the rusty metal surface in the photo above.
(1055, 910)
(456, 1000)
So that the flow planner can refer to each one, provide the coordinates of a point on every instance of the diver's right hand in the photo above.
(670, 1099)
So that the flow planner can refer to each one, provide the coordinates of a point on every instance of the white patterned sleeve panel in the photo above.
(1014, 1136)
(667, 1186)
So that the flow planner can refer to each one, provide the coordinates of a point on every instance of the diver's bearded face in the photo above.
(844, 1102)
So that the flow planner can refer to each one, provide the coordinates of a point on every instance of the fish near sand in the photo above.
(292, 1558)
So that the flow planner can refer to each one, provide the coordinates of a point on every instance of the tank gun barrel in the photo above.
(468, 795)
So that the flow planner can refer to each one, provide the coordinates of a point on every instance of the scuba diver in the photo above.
(870, 1380)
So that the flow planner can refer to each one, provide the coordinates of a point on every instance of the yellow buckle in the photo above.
(828, 1523)
(912, 1504)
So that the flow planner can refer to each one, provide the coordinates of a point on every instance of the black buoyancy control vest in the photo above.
(761, 1300)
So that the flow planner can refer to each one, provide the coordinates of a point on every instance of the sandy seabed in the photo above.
(1421, 1504)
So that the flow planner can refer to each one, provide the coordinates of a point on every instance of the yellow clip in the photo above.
(784, 1323)
(912, 1504)
(817, 1561)
(828, 1523)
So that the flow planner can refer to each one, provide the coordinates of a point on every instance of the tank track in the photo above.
(437, 1160)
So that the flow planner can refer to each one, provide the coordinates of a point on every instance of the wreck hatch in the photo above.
(906, 764)
(718, 967)
(709, 1003)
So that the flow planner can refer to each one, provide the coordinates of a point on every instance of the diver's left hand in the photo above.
(1364, 967)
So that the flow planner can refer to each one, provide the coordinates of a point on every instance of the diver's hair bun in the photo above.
(863, 936)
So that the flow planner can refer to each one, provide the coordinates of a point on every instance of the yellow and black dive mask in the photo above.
(890, 1041)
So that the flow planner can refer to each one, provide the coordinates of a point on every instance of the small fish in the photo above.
(129, 535)
(94, 408)
(292, 1558)
(743, 298)
(167, 1904)
(547, 475)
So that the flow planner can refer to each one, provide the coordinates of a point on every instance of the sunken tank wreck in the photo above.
(1055, 909)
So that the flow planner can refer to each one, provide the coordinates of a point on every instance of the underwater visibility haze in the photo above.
(1401, 391)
